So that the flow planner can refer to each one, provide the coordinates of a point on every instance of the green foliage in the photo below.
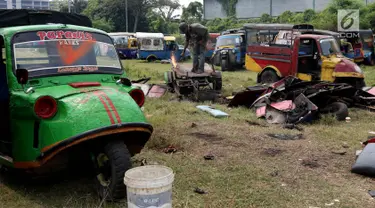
(325, 19)
(229, 6)
(193, 13)
(103, 24)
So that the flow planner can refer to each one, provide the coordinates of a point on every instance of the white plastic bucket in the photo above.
(149, 186)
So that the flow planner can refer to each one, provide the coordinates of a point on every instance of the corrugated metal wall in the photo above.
(255, 8)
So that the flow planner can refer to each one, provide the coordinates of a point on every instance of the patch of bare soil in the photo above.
(207, 137)
(272, 152)
(311, 163)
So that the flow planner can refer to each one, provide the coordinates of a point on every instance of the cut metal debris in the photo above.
(200, 191)
(286, 136)
(214, 112)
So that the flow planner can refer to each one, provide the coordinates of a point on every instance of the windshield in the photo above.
(65, 52)
(229, 40)
(329, 47)
(120, 41)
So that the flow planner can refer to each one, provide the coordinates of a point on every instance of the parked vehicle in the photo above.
(211, 45)
(67, 99)
(311, 57)
(152, 47)
(358, 46)
(125, 44)
(230, 50)
(187, 52)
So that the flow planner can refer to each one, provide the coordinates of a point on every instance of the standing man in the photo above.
(196, 35)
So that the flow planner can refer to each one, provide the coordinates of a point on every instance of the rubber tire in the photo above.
(339, 110)
(224, 65)
(218, 82)
(119, 159)
(268, 77)
(360, 83)
(151, 59)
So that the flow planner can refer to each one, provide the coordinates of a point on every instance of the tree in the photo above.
(193, 12)
(265, 18)
(76, 6)
(166, 8)
(286, 17)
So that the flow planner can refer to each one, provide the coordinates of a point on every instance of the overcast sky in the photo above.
(185, 3)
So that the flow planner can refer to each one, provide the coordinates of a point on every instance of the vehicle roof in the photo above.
(10, 31)
(321, 32)
(314, 36)
(149, 35)
(231, 34)
(278, 26)
(121, 34)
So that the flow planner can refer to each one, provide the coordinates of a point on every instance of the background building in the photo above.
(24, 4)
(255, 8)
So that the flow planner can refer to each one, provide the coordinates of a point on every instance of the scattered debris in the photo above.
(339, 152)
(336, 200)
(165, 61)
(209, 157)
(372, 193)
(274, 173)
(200, 191)
(214, 112)
(292, 126)
(329, 204)
(311, 163)
(156, 91)
(365, 163)
(286, 136)
(170, 149)
(283, 184)
(345, 145)
(272, 151)
(252, 123)
(293, 101)
(193, 125)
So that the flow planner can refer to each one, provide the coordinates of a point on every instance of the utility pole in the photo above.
(126, 13)
(271, 8)
(314, 5)
(69, 6)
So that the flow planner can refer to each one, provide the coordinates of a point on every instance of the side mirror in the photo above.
(22, 76)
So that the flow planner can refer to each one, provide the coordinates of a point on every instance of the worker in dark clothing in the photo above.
(196, 37)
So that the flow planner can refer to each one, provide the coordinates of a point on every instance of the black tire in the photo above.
(218, 82)
(360, 83)
(110, 180)
(268, 77)
(151, 59)
(338, 109)
(224, 65)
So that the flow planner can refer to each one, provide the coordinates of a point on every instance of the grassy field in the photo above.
(250, 169)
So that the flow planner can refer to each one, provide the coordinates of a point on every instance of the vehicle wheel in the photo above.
(218, 83)
(360, 83)
(112, 164)
(268, 77)
(151, 59)
(338, 109)
(224, 65)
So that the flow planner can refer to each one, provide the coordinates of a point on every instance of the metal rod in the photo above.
(126, 13)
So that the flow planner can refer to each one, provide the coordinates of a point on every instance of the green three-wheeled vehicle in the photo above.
(65, 97)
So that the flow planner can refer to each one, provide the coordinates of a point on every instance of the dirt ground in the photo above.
(249, 169)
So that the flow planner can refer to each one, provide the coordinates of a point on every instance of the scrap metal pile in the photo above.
(292, 101)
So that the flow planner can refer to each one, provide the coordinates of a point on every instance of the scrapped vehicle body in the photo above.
(356, 45)
(292, 100)
(125, 44)
(156, 46)
(230, 50)
(185, 83)
(311, 57)
(66, 99)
